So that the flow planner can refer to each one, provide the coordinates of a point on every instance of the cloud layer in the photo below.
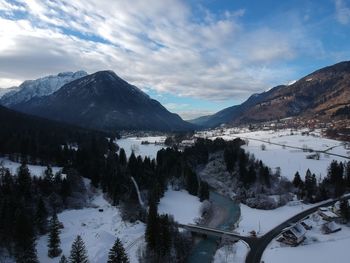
(163, 45)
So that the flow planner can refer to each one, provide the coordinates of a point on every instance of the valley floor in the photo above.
(278, 154)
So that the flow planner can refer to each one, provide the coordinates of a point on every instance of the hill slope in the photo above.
(321, 94)
(104, 101)
(36, 137)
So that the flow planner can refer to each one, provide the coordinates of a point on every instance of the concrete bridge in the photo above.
(217, 233)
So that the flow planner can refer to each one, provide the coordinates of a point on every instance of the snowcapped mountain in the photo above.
(40, 87)
(104, 101)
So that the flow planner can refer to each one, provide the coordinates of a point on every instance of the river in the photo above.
(205, 249)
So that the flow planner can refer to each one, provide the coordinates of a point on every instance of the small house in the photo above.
(293, 235)
(327, 215)
(330, 227)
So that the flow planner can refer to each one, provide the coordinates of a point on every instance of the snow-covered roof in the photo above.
(329, 214)
(332, 226)
(298, 230)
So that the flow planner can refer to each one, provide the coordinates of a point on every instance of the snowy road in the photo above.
(258, 247)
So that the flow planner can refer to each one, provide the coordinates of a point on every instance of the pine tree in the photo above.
(344, 209)
(41, 217)
(54, 238)
(347, 174)
(165, 236)
(78, 253)
(25, 251)
(122, 157)
(297, 180)
(63, 259)
(117, 253)
(191, 181)
(48, 174)
(24, 180)
(204, 191)
(151, 233)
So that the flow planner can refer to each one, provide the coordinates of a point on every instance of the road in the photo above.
(258, 246)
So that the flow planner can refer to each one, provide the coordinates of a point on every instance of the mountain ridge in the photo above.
(39, 87)
(104, 101)
(316, 95)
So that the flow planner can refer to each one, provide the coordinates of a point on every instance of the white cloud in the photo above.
(8, 83)
(153, 44)
(342, 12)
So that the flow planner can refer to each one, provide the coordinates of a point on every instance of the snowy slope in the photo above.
(98, 230)
(184, 207)
(40, 87)
(236, 253)
(8, 91)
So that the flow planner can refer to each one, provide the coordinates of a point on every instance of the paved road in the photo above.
(258, 246)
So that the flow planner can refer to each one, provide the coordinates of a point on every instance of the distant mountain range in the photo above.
(322, 94)
(104, 101)
(101, 101)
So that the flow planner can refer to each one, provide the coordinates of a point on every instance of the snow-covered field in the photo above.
(261, 221)
(35, 170)
(184, 207)
(232, 253)
(317, 247)
(134, 144)
(99, 230)
(289, 160)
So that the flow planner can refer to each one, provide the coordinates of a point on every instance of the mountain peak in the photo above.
(40, 87)
(104, 101)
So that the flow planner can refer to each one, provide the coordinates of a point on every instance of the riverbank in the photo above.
(224, 214)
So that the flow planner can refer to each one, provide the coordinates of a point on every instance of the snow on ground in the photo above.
(261, 221)
(232, 253)
(184, 207)
(317, 247)
(134, 144)
(289, 160)
(36, 170)
(99, 230)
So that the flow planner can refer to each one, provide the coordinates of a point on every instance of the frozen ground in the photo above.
(289, 160)
(134, 144)
(232, 253)
(184, 207)
(261, 221)
(99, 230)
(36, 170)
(317, 247)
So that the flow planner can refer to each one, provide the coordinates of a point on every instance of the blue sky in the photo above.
(196, 57)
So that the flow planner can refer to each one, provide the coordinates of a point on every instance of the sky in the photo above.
(196, 57)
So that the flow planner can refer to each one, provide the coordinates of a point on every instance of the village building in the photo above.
(293, 235)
